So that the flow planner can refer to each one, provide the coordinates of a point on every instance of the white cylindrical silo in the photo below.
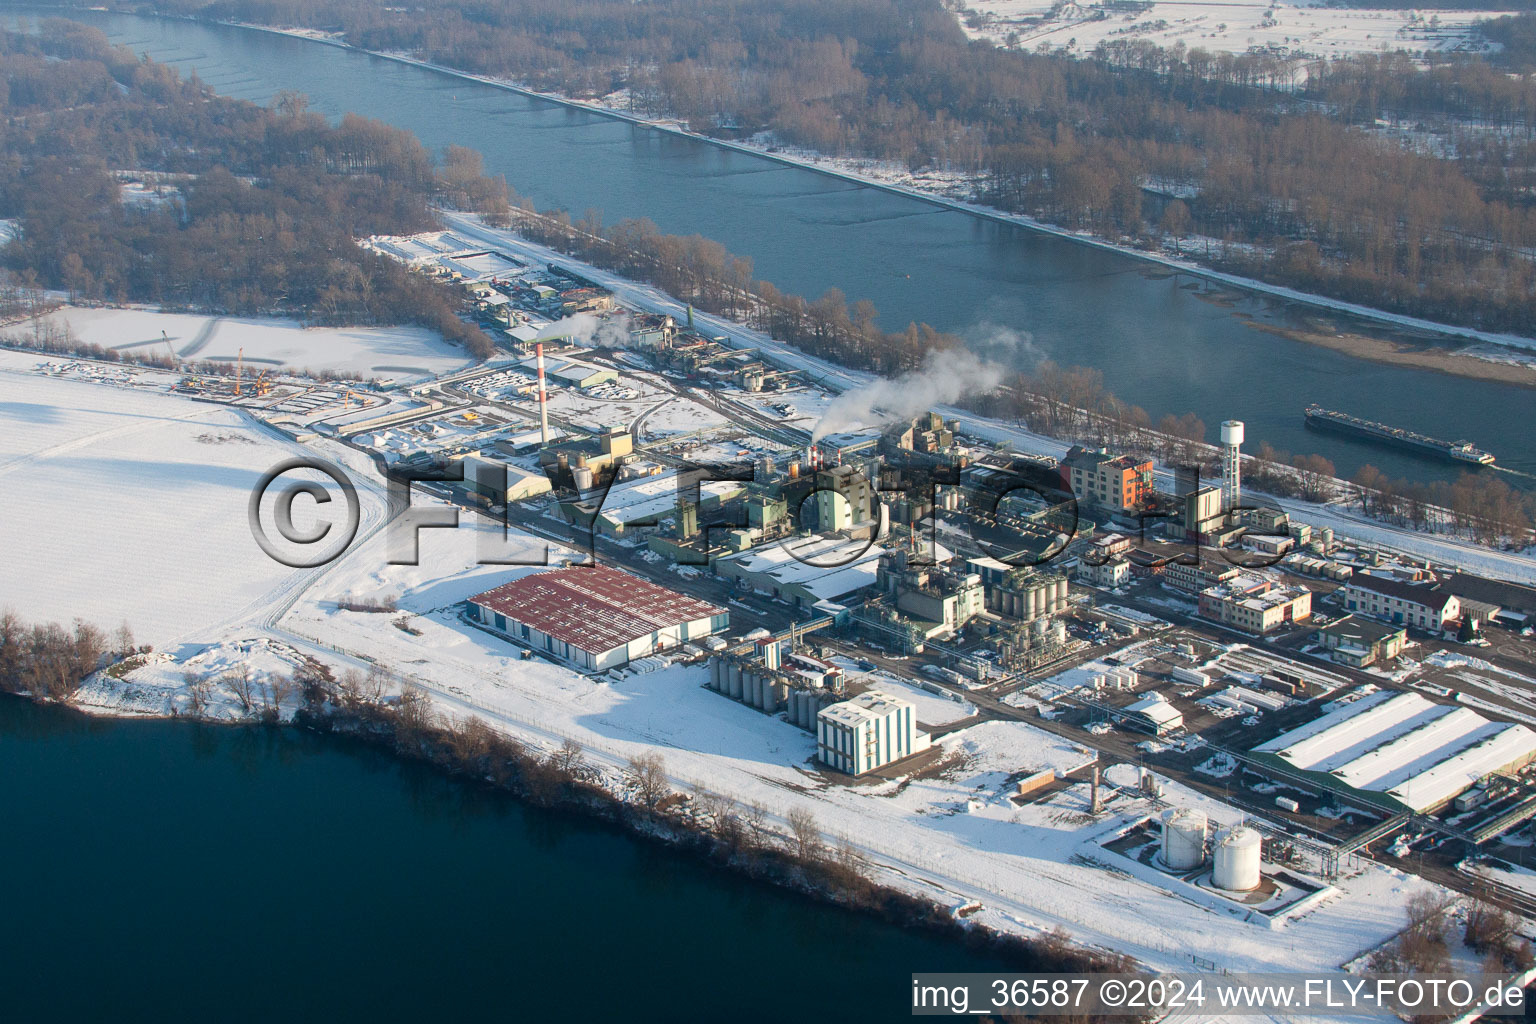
(1184, 839)
(1237, 860)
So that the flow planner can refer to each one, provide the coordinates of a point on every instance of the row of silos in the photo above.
(804, 706)
(748, 682)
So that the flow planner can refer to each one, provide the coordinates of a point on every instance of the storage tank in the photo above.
(1184, 839)
(733, 679)
(582, 477)
(1237, 860)
(1059, 632)
(715, 668)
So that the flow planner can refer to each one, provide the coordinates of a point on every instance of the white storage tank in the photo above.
(1184, 839)
(1237, 860)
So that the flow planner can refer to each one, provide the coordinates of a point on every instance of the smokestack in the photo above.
(538, 349)
(1094, 793)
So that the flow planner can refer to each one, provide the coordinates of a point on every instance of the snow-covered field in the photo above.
(398, 352)
(129, 505)
(1299, 30)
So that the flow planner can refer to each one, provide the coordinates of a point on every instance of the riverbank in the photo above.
(865, 172)
(1423, 357)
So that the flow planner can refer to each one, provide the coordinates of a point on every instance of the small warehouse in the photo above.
(595, 617)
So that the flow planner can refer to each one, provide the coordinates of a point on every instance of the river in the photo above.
(1169, 342)
(170, 870)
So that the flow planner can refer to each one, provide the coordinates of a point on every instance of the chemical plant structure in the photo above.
(1253, 706)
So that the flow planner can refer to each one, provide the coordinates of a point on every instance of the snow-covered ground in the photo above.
(1298, 30)
(402, 353)
(131, 505)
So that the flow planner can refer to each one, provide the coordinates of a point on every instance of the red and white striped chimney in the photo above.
(538, 349)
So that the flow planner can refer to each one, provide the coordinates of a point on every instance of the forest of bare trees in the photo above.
(259, 209)
(1287, 176)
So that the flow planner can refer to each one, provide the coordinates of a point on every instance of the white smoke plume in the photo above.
(1003, 344)
(579, 329)
(586, 329)
(946, 376)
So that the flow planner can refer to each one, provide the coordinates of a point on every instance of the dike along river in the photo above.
(165, 870)
(1165, 341)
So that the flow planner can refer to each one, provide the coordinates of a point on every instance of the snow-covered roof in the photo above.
(869, 706)
(1404, 745)
(595, 608)
(1157, 709)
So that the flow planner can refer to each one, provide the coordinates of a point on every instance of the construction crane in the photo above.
(261, 385)
(239, 370)
(175, 359)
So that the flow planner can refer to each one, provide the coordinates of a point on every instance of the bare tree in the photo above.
(647, 776)
(806, 834)
(754, 823)
(414, 712)
(241, 685)
(198, 692)
(568, 759)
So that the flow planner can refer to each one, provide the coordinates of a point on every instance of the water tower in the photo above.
(1232, 463)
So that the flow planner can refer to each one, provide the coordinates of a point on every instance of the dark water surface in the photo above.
(162, 870)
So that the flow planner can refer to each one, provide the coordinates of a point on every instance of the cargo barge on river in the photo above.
(1319, 418)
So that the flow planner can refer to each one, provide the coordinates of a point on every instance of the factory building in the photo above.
(573, 373)
(1109, 574)
(844, 499)
(935, 600)
(1153, 713)
(805, 571)
(868, 732)
(1026, 593)
(501, 482)
(1255, 605)
(595, 617)
(1424, 604)
(928, 434)
(1203, 512)
(646, 500)
(1194, 579)
(1359, 642)
(1419, 754)
(1120, 482)
(599, 454)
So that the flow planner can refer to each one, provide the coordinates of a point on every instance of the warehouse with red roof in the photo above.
(596, 617)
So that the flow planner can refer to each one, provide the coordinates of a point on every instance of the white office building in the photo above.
(867, 732)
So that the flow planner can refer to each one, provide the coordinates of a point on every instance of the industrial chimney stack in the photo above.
(538, 349)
